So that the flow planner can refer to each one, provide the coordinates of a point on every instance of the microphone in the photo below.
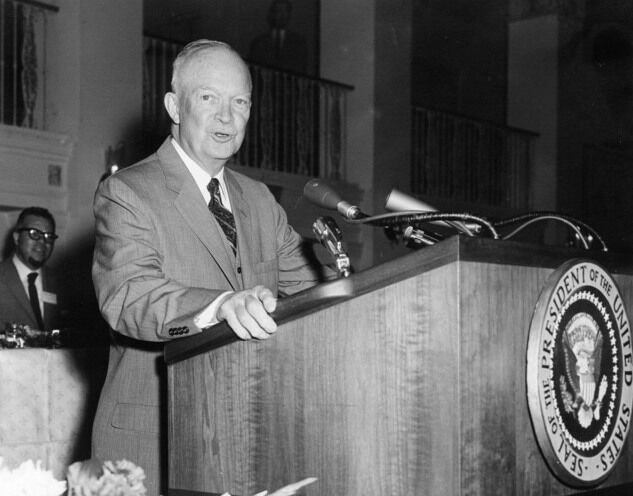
(324, 196)
(331, 237)
(397, 201)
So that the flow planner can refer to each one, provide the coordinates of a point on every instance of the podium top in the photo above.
(455, 249)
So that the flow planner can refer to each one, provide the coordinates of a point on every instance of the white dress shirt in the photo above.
(202, 177)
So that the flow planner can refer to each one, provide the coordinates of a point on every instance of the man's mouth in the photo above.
(221, 137)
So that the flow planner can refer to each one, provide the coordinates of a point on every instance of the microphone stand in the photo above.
(330, 236)
(407, 224)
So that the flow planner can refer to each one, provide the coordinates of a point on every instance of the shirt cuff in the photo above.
(207, 317)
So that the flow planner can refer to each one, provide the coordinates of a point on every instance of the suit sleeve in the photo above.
(297, 270)
(135, 297)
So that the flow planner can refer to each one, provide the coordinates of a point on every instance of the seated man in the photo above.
(27, 290)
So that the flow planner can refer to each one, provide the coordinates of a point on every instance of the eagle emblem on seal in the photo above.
(582, 345)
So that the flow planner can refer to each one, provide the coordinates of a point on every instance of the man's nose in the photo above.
(223, 113)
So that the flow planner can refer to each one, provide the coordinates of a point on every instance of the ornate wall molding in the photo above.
(34, 167)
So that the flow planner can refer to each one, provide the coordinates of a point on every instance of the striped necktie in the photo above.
(223, 216)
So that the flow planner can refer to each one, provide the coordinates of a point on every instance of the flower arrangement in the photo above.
(92, 478)
(29, 479)
(88, 478)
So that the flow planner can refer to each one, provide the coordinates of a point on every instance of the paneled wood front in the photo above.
(412, 384)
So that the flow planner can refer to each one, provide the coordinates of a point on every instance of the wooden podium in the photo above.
(405, 379)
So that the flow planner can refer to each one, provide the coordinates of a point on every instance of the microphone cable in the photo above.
(414, 217)
(321, 194)
(532, 217)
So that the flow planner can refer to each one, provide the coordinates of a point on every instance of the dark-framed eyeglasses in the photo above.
(36, 234)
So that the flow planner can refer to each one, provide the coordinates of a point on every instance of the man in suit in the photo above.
(27, 289)
(164, 267)
(280, 47)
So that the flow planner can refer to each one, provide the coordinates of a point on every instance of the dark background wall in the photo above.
(237, 22)
(459, 57)
(457, 61)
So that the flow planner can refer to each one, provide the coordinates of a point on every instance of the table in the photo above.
(47, 402)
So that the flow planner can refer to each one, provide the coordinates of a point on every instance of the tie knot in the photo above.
(214, 186)
(32, 276)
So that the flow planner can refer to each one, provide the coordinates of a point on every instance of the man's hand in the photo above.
(246, 312)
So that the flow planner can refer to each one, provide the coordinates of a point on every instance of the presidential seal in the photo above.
(580, 373)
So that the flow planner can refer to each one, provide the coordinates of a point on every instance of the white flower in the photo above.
(29, 479)
(93, 478)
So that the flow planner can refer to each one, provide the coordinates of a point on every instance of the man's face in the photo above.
(212, 107)
(33, 253)
(279, 15)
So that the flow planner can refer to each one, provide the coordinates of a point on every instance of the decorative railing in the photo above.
(297, 123)
(23, 25)
(470, 162)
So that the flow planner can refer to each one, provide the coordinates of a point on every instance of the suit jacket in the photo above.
(291, 56)
(15, 305)
(160, 258)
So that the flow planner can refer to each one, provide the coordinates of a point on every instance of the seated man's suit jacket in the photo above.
(15, 305)
(160, 259)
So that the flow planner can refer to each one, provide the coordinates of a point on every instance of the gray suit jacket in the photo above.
(159, 259)
(14, 302)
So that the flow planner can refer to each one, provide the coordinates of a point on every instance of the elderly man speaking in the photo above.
(183, 242)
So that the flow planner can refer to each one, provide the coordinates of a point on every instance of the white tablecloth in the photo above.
(47, 403)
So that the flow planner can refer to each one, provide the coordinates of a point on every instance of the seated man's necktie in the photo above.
(35, 301)
(223, 216)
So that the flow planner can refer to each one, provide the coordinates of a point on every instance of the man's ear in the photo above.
(16, 236)
(173, 109)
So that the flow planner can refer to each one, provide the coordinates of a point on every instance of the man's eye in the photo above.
(207, 97)
(243, 102)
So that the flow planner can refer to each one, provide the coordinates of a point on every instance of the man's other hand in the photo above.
(247, 313)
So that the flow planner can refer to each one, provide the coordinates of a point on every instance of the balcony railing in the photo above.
(297, 123)
(23, 26)
(470, 162)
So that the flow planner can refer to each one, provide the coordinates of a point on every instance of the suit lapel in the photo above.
(12, 281)
(190, 205)
(50, 309)
(242, 215)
